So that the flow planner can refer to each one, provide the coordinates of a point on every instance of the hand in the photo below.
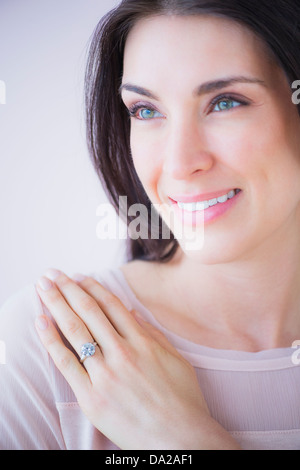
(136, 389)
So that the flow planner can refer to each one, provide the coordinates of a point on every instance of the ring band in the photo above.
(87, 350)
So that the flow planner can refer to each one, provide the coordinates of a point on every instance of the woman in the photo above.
(190, 108)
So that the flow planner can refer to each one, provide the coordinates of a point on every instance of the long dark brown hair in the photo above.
(276, 22)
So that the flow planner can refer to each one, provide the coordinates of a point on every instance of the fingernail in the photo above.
(44, 283)
(78, 277)
(52, 273)
(42, 323)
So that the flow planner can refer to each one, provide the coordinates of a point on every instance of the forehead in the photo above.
(160, 47)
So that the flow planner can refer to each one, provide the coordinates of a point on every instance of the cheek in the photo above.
(145, 155)
(267, 156)
(257, 149)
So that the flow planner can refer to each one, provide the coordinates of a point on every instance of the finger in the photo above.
(129, 324)
(72, 327)
(101, 310)
(119, 316)
(63, 358)
(86, 308)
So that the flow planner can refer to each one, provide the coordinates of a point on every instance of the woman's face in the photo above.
(212, 117)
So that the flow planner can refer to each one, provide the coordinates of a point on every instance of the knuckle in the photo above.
(88, 304)
(50, 342)
(54, 295)
(88, 282)
(63, 280)
(109, 300)
(74, 327)
(63, 362)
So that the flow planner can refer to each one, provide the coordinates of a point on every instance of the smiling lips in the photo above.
(194, 206)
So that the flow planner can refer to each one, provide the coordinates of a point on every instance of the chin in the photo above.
(214, 253)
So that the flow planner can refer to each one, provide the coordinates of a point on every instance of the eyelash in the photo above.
(228, 97)
(133, 110)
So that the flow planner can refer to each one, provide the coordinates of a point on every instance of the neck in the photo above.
(255, 298)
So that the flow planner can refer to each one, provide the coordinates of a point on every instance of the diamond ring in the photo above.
(87, 350)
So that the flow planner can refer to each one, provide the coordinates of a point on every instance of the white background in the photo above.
(49, 191)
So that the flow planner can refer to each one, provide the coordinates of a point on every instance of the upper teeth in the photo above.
(202, 205)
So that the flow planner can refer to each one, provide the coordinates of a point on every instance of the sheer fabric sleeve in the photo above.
(28, 416)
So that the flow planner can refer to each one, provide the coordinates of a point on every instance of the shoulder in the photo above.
(21, 347)
(127, 279)
(26, 380)
(131, 282)
(25, 297)
(18, 312)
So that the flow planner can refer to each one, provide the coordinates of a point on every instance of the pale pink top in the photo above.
(255, 396)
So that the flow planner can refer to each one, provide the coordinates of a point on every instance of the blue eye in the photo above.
(147, 113)
(225, 104)
(143, 113)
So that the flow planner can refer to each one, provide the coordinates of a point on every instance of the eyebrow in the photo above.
(203, 89)
(224, 82)
(137, 89)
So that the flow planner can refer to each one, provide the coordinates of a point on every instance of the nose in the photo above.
(186, 150)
